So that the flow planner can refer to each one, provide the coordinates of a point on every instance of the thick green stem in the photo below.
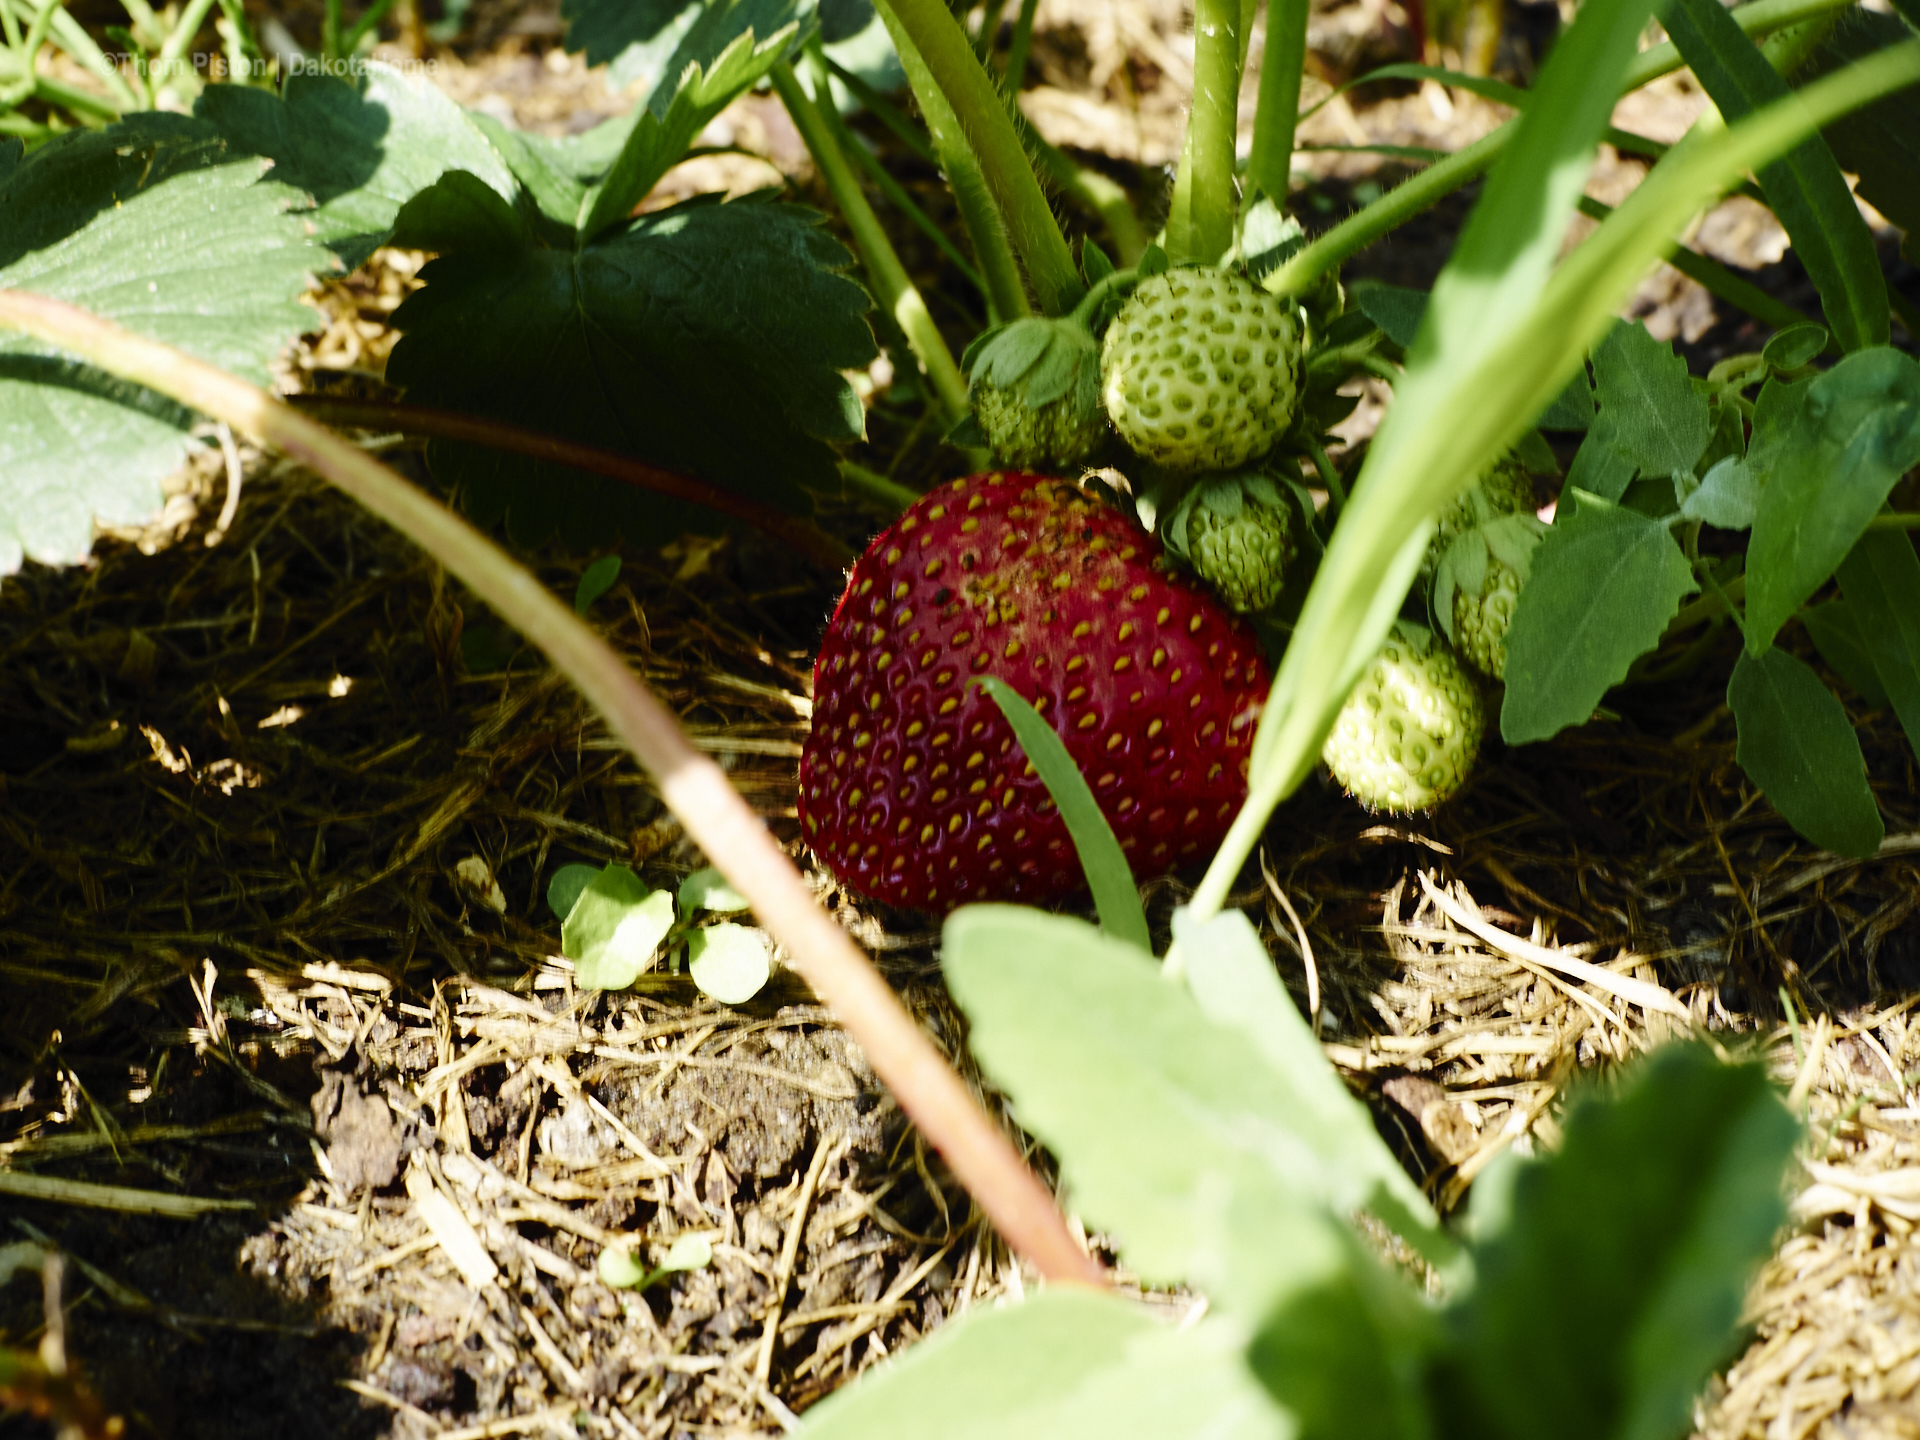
(990, 133)
(716, 818)
(1006, 292)
(892, 289)
(1396, 207)
(1270, 167)
(1200, 228)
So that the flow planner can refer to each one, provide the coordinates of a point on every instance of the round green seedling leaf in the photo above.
(1795, 346)
(595, 581)
(619, 1269)
(689, 1252)
(705, 889)
(614, 929)
(729, 962)
(565, 888)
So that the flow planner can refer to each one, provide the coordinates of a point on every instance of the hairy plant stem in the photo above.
(990, 134)
(1006, 291)
(1437, 181)
(892, 289)
(715, 816)
(1200, 223)
(800, 535)
(1270, 166)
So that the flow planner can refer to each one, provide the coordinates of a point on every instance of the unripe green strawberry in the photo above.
(1478, 582)
(1408, 734)
(1200, 370)
(1237, 531)
(1505, 489)
(1035, 387)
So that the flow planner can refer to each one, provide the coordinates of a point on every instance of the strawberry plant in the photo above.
(148, 276)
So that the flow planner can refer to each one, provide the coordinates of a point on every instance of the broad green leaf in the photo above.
(1835, 629)
(1600, 467)
(1796, 744)
(1795, 346)
(707, 889)
(360, 150)
(1068, 1364)
(565, 888)
(1168, 1124)
(660, 140)
(615, 926)
(1653, 414)
(1727, 496)
(606, 28)
(1880, 143)
(1605, 582)
(1572, 408)
(595, 581)
(730, 963)
(706, 338)
(1855, 432)
(1109, 876)
(1804, 186)
(1234, 982)
(1616, 1282)
(1881, 581)
(1396, 310)
(157, 224)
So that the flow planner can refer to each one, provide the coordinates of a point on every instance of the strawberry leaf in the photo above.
(159, 224)
(1798, 746)
(1653, 415)
(360, 151)
(1605, 582)
(707, 338)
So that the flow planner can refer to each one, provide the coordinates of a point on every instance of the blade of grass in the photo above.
(1109, 876)
(1479, 373)
(1804, 187)
(694, 788)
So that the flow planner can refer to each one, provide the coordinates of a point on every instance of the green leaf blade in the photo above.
(614, 928)
(730, 963)
(1653, 414)
(1881, 581)
(1109, 876)
(1605, 582)
(1796, 744)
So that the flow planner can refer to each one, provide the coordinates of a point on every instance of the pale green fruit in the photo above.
(1200, 370)
(1481, 620)
(1407, 737)
(1505, 489)
(1477, 583)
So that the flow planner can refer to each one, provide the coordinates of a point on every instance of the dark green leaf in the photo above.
(1798, 746)
(1804, 186)
(1835, 628)
(1881, 580)
(1068, 1364)
(605, 28)
(1396, 310)
(1572, 408)
(705, 338)
(361, 151)
(1823, 475)
(1605, 582)
(1617, 1280)
(565, 887)
(462, 212)
(1654, 415)
(1109, 876)
(595, 581)
(1600, 467)
(1879, 142)
(154, 223)
(1795, 346)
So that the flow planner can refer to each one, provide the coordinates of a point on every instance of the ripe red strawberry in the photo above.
(912, 788)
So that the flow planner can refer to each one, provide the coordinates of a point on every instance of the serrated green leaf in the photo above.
(1600, 467)
(605, 29)
(1726, 497)
(659, 140)
(1804, 186)
(1653, 414)
(1109, 876)
(1881, 581)
(158, 224)
(1606, 581)
(730, 963)
(361, 150)
(615, 926)
(1617, 1280)
(1572, 408)
(1067, 1364)
(1823, 476)
(707, 889)
(1835, 630)
(706, 338)
(1798, 746)
(461, 212)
